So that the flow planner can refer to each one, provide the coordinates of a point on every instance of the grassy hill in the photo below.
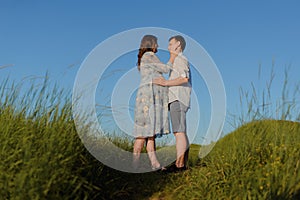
(260, 160)
(42, 157)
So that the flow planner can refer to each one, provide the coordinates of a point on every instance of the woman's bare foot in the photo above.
(155, 166)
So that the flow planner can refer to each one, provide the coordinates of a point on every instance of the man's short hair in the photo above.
(180, 39)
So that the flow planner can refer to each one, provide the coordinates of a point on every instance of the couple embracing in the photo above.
(157, 97)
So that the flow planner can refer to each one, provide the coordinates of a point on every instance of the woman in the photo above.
(151, 108)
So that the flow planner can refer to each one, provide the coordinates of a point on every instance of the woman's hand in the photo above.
(173, 54)
(172, 57)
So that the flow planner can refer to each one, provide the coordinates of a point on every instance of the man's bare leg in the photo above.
(181, 149)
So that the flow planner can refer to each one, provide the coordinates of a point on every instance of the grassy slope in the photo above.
(260, 160)
(43, 160)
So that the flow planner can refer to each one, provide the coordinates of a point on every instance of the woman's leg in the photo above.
(151, 148)
(137, 149)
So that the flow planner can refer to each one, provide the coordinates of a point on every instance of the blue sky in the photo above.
(56, 36)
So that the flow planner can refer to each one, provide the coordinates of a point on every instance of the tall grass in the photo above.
(258, 103)
(41, 155)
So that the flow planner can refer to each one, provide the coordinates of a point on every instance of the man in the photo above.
(179, 99)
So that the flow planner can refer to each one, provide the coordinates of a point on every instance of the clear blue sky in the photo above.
(56, 36)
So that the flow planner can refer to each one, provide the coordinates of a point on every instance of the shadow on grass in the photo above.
(296, 195)
(114, 184)
(132, 186)
(284, 196)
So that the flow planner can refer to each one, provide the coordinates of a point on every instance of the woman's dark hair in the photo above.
(180, 39)
(148, 43)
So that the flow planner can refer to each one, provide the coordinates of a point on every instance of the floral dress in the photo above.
(151, 107)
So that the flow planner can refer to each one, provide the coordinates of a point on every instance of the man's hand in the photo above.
(160, 81)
